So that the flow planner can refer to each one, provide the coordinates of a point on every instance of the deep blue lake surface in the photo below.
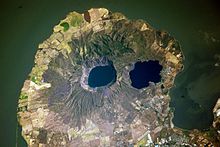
(145, 72)
(101, 76)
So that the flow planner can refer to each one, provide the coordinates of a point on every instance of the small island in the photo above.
(103, 80)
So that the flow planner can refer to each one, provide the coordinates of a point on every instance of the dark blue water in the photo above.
(144, 72)
(102, 76)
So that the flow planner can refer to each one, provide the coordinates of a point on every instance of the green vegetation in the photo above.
(76, 20)
(186, 132)
(36, 73)
(35, 79)
(163, 133)
(65, 26)
(23, 96)
(142, 142)
(211, 133)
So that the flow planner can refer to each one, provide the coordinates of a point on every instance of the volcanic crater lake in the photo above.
(101, 76)
(145, 72)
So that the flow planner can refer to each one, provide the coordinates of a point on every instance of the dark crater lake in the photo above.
(102, 76)
(145, 72)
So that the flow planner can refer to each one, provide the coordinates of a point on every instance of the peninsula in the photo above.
(80, 93)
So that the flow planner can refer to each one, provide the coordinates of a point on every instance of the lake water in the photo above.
(145, 72)
(195, 24)
(101, 76)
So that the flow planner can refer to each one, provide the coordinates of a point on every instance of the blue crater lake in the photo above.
(145, 72)
(101, 76)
